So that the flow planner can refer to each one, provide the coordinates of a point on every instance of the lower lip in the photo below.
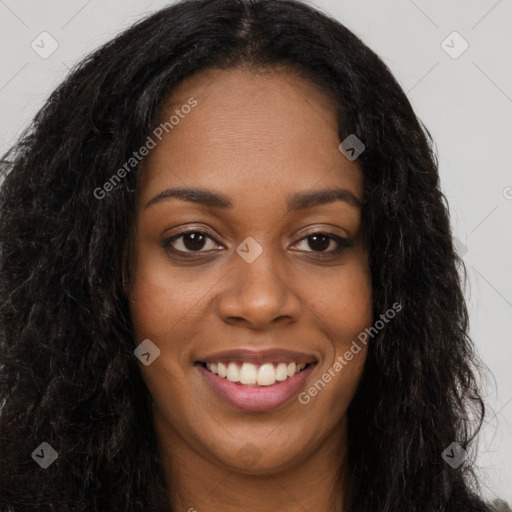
(259, 398)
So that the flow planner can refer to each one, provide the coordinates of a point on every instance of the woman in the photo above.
(228, 280)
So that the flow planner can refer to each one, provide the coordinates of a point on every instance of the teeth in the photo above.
(266, 374)
(250, 374)
(221, 369)
(282, 371)
(233, 373)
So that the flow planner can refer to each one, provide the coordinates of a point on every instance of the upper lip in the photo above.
(275, 355)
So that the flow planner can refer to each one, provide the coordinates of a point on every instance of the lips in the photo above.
(253, 397)
(258, 357)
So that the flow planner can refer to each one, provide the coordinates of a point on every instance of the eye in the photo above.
(196, 241)
(188, 241)
(321, 241)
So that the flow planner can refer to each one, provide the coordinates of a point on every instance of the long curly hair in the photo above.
(68, 374)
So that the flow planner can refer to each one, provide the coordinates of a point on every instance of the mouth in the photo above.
(258, 385)
(255, 375)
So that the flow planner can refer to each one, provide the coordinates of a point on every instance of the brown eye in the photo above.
(188, 241)
(320, 242)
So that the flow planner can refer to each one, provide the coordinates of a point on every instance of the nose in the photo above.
(259, 294)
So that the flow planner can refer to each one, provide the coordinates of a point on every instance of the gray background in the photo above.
(465, 102)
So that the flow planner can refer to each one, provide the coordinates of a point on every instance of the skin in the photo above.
(255, 137)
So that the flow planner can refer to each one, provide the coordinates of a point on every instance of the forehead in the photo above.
(248, 133)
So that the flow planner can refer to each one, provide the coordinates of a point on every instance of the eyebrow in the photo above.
(296, 201)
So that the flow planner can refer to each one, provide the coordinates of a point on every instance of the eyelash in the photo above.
(343, 243)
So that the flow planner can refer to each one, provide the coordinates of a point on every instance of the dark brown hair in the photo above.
(68, 373)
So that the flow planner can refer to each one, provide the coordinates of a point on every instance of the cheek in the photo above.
(355, 302)
(160, 296)
(344, 302)
(149, 295)
(344, 310)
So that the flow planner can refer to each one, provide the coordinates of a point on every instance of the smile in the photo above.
(266, 374)
(276, 391)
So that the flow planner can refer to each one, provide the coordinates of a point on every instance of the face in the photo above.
(256, 273)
